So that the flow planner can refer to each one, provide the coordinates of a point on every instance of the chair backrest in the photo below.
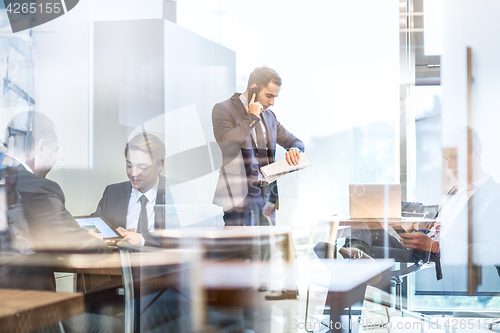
(417, 209)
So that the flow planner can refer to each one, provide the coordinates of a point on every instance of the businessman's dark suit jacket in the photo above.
(233, 127)
(50, 227)
(113, 206)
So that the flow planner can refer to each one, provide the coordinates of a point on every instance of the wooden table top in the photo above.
(105, 264)
(27, 310)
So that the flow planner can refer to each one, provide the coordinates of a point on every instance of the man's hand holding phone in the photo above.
(253, 105)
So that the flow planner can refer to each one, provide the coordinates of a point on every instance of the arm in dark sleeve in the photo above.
(150, 240)
(53, 227)
(225, 128)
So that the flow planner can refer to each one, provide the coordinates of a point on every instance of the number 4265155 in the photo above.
(25, 8)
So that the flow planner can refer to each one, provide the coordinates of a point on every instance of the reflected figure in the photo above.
(476, 196)
(247, 132)
(38, 219)
(425, 241)
(43, 223)
(130, 206)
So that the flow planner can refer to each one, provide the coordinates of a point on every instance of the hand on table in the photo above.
(292, 156)
(130, 236)
(419, 241)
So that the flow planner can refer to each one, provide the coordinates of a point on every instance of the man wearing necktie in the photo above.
(476, 194)
(247, 132)
(130, 206)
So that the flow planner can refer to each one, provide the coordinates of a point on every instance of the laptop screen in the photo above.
(375, 201)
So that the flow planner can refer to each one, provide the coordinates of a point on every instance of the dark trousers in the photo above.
(251, 212)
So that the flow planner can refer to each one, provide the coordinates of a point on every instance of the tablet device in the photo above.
(100, 225)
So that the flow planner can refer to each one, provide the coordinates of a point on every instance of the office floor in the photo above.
(289, 315)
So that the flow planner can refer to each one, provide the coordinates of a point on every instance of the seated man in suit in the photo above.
(38, 219)
(42, 222)
(130, 206)
(425, 241)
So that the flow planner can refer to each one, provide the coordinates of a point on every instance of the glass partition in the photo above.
(138, 103)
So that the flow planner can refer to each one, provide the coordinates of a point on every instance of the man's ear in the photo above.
(40, 147)
(161, 164)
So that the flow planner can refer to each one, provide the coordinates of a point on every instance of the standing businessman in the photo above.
(247, 132)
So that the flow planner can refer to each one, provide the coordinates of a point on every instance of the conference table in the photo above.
(165, 268)
(217, 285)
(220, 282)
(28, 310)
(218, 239)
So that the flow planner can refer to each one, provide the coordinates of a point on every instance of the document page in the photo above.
(278, 169)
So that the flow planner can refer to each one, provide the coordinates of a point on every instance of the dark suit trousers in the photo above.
(250, 215)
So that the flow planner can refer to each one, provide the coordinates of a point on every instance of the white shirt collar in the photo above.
(477, 184)
(150, 194)
(244, 100)
(26, 166)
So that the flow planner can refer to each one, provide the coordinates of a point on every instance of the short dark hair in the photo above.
(261, 76)
(26, 129)
(148, 143)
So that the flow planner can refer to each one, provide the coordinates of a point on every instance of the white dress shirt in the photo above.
(454, 205)
(244, 100)
(134, 208)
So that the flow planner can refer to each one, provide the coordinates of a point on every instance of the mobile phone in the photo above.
(251, 92)
(399, 229)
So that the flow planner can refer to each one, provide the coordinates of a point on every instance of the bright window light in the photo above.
(433, 27)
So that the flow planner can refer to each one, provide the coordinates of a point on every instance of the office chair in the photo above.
(417, 209)
(326, 250)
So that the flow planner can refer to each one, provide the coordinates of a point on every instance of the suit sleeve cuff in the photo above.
(254, 120)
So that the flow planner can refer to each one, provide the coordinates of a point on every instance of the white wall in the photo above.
(339, 61)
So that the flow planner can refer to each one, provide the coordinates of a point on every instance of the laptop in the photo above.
(100, 225)
(375, 201)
